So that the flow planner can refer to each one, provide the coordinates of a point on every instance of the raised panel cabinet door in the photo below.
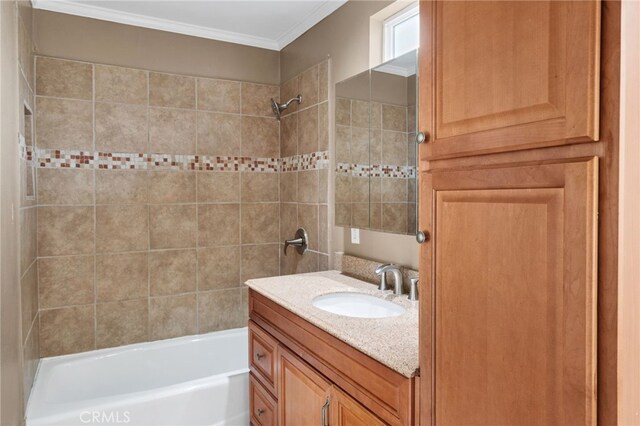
(512, 307)
(508, 75)
(345, 411)
(303, 395)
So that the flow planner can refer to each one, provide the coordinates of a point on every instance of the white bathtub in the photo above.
(194, 380)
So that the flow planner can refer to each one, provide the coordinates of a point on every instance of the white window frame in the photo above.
(389, 23)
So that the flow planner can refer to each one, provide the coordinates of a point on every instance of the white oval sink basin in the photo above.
(357, 305)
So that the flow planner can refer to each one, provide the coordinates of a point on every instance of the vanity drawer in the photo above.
(262, 356)
(262, 405)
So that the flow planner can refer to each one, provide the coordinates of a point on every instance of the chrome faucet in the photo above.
(397, 277)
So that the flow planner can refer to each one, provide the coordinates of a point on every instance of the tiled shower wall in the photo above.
(304, 133)
(158, 196)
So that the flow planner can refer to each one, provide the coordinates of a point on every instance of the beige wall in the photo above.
(91, 40)
(18, 264)
(344, 36)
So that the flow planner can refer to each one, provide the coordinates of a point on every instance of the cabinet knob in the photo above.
(422, 236)
(259, 412)
(422, 137)
(259, 356)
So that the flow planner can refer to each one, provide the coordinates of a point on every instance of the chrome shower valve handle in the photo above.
(300, 242)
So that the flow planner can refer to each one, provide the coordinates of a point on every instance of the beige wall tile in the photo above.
(121, 228)
(308, 186)
(172, 316)
(219, 95)
(172, 226)
(288, 90)
(121, 128)
(172, 187)
(394, 118)
(323, 81)
(172, 272)
(294, 263)
(360, 114)
(289, 135)
(260, 261)
(218, 224)
(308, 130)
(375, 147)
(394, 189)
(308, 219)
(343, 112)
(64, 186)
(323, 186)
(64, 79)
(218, 268)
(375, 216)
(29, 298)
(343, 214)
(288, 186)
(323, 229)
(172, 131)
(260, 223)
(244, 291)
(360, 215)
(260, 137)
(309, 86)
(394, 148)
(218, 187)
(121, 187)
(169, 90)
(65, 281)
(219, 134)
(118, 84)
(122, 276)
(64, 123)
(28, 237)
(258, 186)
(375, 189)
(220, 310)
(359, 145)
(343, 144)
(359, 189)
(376, 115)
(343, 188)
(323, 126)
(394, 217)
(256, 99)
(65, 230)
(288, 220)
(67, 330)
(122, 323)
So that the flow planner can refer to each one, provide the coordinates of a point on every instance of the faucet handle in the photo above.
(381, 270)
(413, 288)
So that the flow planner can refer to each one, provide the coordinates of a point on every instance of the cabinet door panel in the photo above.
(513, 294)
(302, 392)
(345, 411)
(510, 75)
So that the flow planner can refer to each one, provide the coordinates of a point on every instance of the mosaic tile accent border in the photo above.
(75, 159)
(376, 170)
(313, 161)
(24, 152)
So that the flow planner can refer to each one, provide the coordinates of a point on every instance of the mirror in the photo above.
(376, 119)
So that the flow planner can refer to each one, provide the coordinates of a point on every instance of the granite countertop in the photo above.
(392, 341)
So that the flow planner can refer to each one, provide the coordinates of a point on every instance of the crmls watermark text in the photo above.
(105, 417)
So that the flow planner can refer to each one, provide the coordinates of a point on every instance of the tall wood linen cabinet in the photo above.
(519, 103)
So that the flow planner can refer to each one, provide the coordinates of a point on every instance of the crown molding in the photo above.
(324, 10)
(96, 12)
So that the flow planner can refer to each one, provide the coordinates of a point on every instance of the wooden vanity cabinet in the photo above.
(317, 378)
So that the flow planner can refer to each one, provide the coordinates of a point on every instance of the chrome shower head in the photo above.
(278, 108)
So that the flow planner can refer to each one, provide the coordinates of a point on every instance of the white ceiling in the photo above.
(260, 23)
